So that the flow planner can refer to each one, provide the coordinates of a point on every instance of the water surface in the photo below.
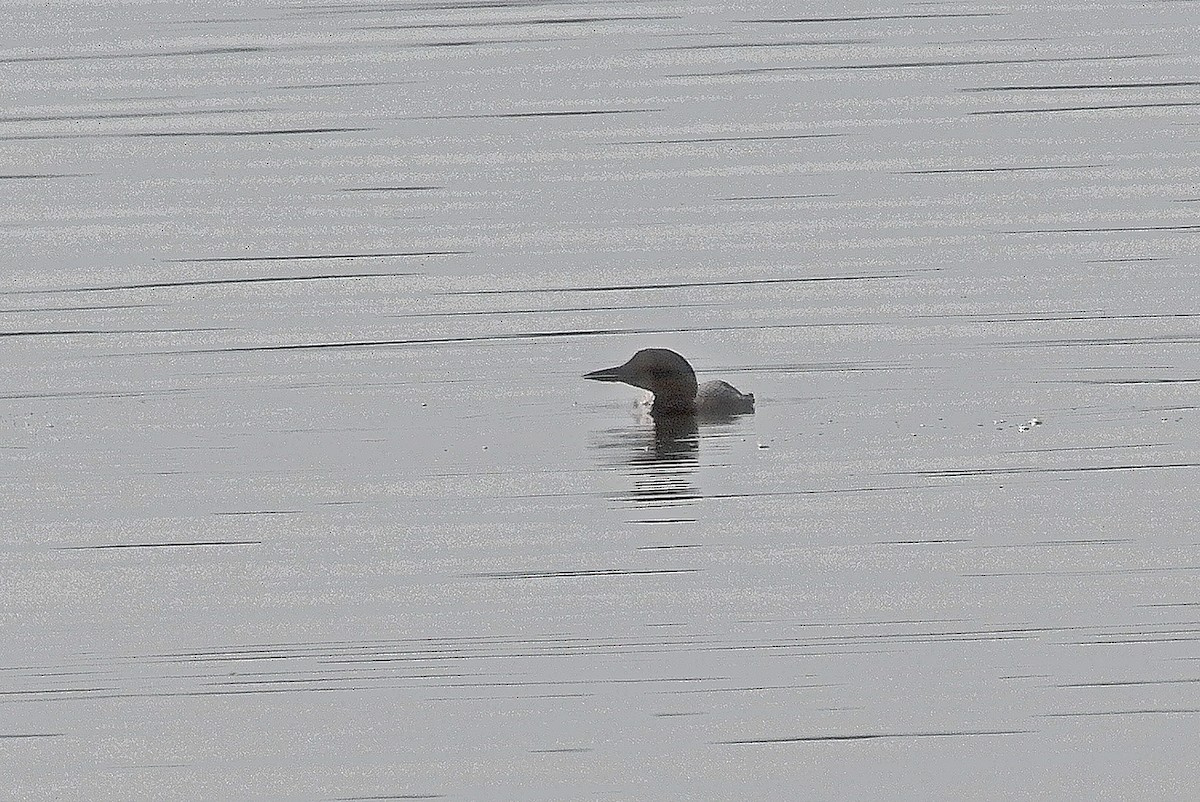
(305, 497)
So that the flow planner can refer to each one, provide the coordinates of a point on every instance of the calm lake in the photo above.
(305, 498)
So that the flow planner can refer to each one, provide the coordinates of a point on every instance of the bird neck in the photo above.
(667, 404)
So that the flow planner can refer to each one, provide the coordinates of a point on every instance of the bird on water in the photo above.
(673, 382)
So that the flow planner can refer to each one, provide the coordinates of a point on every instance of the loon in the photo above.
(673, 382)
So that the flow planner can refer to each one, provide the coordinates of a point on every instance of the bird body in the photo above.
(721, 395)
(673, 382)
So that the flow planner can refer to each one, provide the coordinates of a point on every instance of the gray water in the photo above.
(305, 499)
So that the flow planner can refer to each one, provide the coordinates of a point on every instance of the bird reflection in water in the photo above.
(661, 457)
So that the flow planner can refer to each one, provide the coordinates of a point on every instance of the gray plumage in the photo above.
(673, 382)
